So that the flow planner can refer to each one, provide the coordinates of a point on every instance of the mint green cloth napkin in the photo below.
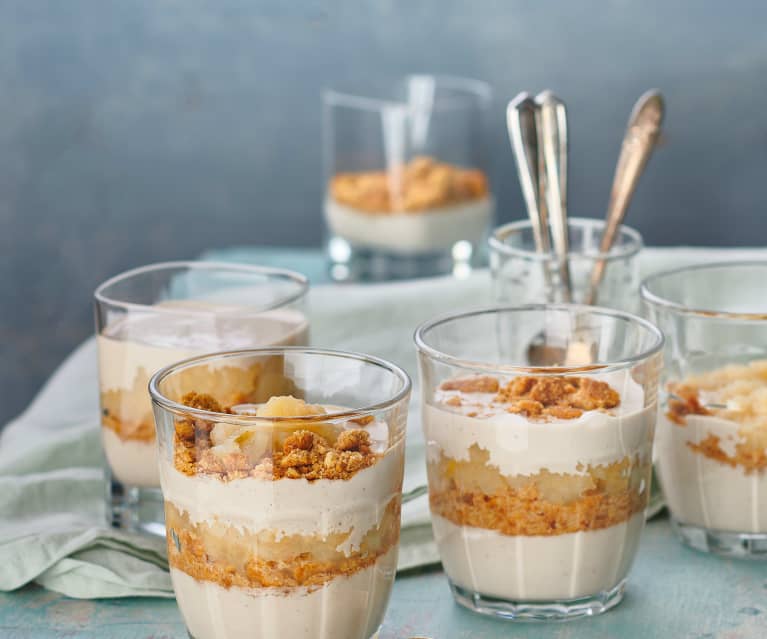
(52, 509)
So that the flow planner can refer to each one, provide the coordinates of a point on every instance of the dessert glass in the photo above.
(521, 275)
(153, 316)
(711, 444)
(282, 509)
(538, 477)
(406, 172)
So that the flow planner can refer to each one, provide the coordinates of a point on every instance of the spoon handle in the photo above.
(642, 133)
(553, 117)
(523, 134)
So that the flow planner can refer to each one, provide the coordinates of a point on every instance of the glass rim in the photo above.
(102, 297)
(656, 300)
(500, 233)
(479, 88)
(175, 407)
(426, 349)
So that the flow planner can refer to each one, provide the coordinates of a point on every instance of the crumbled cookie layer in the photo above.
(229, 556)
(751, 458)
(422, 185)
(539, 397)
(474, 493)
(473, 384)
(128, 412)
(141, 431)
(280, 450)
(742, 390)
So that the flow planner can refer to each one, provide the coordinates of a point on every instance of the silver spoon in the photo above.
(553, 120)
(523, 133)
(642, 133)
(553, 136)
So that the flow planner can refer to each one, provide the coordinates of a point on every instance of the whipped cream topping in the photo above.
(518, 445)
(705, 492)
(144, 344)
(291, 506)
(408, 232)
(132, 462)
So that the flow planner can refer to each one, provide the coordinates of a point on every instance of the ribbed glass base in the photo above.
(134, 508)
(722, 542)
(559, 610)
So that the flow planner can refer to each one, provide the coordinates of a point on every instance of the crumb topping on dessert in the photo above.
(742, 390)
(202, 402)
(274, 450)
(421, 185)
(685, 403)
(537, 397)
(474, 384)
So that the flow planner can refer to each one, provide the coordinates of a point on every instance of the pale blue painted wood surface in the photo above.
(673, 592)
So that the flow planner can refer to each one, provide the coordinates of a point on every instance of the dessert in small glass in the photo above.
(406, 172)
(521, 275)
(711, 444)
(538, 477)
(282, 513)
(153, 316)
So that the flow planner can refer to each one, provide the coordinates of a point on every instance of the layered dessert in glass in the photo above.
(406, 176)
(538, 478)
(283, 515)
(712, 431)
(160, 314)
(419, 207)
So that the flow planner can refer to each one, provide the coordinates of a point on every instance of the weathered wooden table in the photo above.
(673, 591)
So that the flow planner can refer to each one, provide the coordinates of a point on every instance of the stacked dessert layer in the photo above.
(282, 528)
(418, 207)
(712, 449)
(132, 350)
(551, 474)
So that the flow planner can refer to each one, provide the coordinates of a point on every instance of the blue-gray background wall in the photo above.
(149, 130)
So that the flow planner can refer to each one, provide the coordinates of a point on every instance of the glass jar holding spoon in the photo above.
(523, 275)
(592, 262)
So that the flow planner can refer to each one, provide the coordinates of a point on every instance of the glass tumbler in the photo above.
(711, 445)
(406, 175)
(521, 275)
(282, 511)
(538, 477)
(153, 316)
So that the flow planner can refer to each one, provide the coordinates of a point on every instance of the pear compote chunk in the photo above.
(292, 447)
